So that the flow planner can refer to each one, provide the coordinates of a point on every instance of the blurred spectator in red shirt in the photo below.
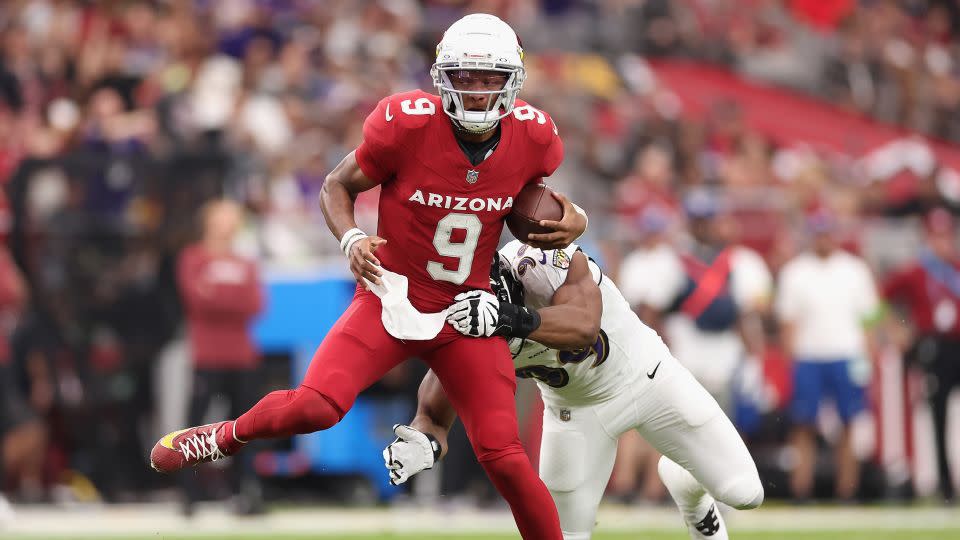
(929, 289)
(222, 294)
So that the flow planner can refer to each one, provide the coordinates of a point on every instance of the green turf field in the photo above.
(639, 535)
(615, 522)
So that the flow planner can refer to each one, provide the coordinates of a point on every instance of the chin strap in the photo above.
(459, 127)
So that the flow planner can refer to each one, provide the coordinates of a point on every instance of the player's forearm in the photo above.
(566, 327)
(572, 320)
(435, 413)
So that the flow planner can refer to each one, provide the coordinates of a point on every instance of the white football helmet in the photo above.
(484, 43)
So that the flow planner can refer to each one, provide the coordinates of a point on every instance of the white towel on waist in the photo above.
(399, 317)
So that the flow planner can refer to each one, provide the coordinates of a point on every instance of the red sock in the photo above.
(533, 508)
(288, 412)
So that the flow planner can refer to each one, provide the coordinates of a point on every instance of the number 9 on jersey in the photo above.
(457, 250)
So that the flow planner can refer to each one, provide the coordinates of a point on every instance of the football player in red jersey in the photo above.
(449, 167)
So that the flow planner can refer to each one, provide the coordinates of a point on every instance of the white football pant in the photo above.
(674, 413)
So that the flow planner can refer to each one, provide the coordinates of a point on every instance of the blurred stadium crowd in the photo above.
(121, 119)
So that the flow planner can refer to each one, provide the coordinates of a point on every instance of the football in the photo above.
(533, 203)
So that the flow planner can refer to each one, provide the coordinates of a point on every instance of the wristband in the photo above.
(582, 213)
(349, 238)
(351, 242)
(516, 321)
(435, 446)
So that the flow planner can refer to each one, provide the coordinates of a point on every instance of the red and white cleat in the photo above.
(193, 446)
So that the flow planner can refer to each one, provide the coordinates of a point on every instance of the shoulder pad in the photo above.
(409, 110)
(540, 135)
(535, 122)
(389, 125)
(510, 250)
(541, 273)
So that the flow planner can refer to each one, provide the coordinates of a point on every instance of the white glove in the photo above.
(474, 313)
(409, 454)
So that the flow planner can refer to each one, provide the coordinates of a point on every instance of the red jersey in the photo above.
(441, 215)
(934, 307)
(222, 296)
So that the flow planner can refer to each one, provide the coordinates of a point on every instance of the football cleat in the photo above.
(193, 446)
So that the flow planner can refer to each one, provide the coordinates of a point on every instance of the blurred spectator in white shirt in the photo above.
(826, 299)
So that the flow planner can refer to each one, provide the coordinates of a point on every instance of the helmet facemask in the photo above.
(506, 287)
(499, 105)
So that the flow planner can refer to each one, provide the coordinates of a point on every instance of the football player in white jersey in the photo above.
(601, 372)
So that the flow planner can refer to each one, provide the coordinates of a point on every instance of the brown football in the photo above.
(533, 203)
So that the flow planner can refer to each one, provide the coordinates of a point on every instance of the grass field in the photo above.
(162, 522)
(639, 535)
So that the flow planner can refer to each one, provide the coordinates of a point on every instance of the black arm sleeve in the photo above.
(516, 321)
